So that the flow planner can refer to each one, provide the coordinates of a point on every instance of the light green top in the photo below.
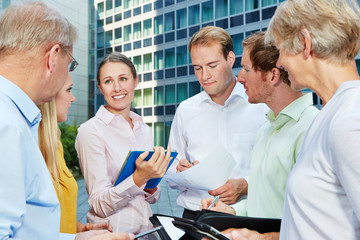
(276, 147)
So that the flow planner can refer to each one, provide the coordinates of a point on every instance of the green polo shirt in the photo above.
(276, 147)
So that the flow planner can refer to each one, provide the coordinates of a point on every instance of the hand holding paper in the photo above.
(185, 165)
(210, 173)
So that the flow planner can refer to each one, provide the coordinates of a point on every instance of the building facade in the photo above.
(155, 35)
(78, 14)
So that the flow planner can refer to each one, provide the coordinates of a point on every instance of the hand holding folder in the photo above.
(129, 167)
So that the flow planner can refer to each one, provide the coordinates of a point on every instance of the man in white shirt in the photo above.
(219, 114)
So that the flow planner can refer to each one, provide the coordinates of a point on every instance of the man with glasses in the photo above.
(73, 63)
(35, 58)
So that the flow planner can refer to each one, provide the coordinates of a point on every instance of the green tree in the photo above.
(68, 136)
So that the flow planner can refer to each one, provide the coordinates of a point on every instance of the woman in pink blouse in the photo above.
(103, 143)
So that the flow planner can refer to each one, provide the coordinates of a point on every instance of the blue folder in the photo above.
(129, 167)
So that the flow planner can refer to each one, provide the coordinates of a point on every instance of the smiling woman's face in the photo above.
(117, 84)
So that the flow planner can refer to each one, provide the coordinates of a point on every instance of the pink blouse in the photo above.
(102, 144)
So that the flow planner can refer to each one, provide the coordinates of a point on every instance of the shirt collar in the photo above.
(22, 101)
(292, 111)
(106, 116)
(238, 91)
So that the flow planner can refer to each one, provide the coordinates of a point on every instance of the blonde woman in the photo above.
(65, 184)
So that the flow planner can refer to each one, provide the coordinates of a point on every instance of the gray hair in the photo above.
(334, 26)
(34, 26)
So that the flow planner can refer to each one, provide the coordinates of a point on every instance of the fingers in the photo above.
(183, 165)
(205, 203)
(164, 162)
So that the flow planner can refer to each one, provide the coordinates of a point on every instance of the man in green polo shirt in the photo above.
(279, 140)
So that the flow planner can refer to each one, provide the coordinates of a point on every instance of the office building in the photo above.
(78, 14)
(155, 35)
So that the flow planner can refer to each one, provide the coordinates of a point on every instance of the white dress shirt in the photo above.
(200, 124)
(322, 198)
(102, 144)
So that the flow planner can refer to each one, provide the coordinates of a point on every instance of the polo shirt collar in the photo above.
(293, 111)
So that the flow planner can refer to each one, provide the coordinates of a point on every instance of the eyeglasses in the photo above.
(73, 63)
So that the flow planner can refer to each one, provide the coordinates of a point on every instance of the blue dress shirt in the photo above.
(29, 207)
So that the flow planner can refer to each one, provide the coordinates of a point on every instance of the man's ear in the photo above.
(231, 58)
(274, 76)
(306, 39)
(52, 57)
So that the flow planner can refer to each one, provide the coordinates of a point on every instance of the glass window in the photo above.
(158, 60)
(108, 38)
(181, 18)
(236, 6)
(137, 30)
(118, 17)
(181, 55)
(147, 8)
(194, 14)
(169, 94)
(169, 2)
(100, 9)
(251, 4)
(100, 23)
(147, 27)
(137, 63)
(158, 25)
(109, 20)
(127, 14)
(118, 5)
(159, 95)
(118, 35)
(252, 17)
(181, 92)
(358, 65)
(147, 62)
(207, 11)
(237, 40)
(169, 57)
(167, 132)
(158, 4)
(127, 33)
(221, 8)
(109, 5)
(147, 97)
(127, 4)
(100, 40)
(137, 11)
(268, 2)
(100, 53)
(137, 98)
(194, 88)
(159, 134)
(169, 21)
(136, 2)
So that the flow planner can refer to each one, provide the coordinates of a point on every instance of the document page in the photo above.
(211, 173)
(173, 232)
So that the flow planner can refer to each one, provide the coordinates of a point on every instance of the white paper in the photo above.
(173, 232)
(210, 173)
